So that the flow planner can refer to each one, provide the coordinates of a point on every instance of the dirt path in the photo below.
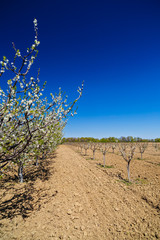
(81, 201)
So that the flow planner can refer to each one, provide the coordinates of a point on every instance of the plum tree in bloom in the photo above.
(46, 141)
(29, 123)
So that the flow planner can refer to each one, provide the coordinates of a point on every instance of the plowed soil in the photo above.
(76, 198)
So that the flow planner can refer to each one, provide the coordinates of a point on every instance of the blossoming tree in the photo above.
(29, 124)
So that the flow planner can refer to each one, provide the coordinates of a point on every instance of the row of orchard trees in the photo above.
(30, 125)
(110, 139)
(126, 150)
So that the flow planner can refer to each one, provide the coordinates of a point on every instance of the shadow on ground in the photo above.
(23, 198)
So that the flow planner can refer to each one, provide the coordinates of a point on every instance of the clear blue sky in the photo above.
(113, 45)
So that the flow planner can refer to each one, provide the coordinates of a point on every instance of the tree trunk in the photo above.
(85, 152)
(37, 161)
(20, 172)
(141, 155)
(81, 150)
(128, 171)
(93, 155)
(104, 160)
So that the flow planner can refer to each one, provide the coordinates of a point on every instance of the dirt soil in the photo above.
(75, 198)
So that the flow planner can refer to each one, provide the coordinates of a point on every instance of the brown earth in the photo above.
(73, 197)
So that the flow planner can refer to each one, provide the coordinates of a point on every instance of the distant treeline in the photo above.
(110, 139)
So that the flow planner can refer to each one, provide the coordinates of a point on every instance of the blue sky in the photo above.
(113, 45)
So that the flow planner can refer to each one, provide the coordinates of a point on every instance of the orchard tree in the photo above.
(86, 147)
(113, 147)
(104, 149)
(81, 147)
(93, 148)
(29, 123)
(142, 147)
(156, 146)
(127, 153)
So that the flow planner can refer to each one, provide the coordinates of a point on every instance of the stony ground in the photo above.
(75, 198)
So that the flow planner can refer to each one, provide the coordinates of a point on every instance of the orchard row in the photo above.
(30, 124)
(126, 150)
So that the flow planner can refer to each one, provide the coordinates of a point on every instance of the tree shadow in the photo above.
(42, 171)
(113, 173)
(22, 198)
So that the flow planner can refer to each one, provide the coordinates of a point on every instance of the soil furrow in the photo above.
(84, 203)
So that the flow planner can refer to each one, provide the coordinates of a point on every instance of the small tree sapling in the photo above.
(127, 155)
(142, 147)
(104, 149)
(93, 148)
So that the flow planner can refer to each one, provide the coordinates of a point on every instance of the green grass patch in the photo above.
(126, 182)
(91, 159)
(106, 166)
(140, 159)
(141, 181)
